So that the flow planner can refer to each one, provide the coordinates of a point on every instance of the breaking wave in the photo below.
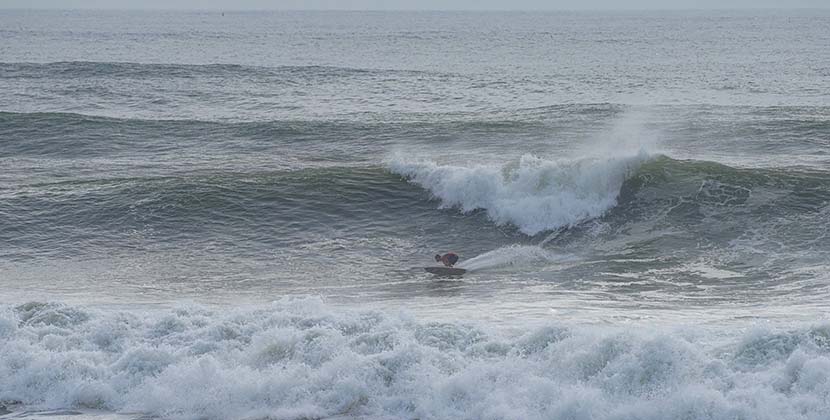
(533, 194)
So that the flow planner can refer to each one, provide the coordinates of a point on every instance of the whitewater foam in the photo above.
(534, 194)
(305, 359)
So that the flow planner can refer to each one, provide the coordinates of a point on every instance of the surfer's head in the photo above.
(437, 257)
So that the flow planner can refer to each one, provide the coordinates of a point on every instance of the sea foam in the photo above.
(305, 358)
(533, 193)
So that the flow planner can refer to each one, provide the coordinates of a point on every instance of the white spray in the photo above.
(536, 194)
(511, 256)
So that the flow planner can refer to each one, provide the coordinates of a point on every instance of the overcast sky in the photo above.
(413, 4)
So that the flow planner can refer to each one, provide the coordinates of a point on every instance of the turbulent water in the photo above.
(240, 205)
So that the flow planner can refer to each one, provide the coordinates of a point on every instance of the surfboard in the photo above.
(445, 271)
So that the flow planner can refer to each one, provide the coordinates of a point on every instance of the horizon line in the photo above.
(218, 9)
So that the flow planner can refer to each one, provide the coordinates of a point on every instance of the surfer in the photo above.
(449, 259)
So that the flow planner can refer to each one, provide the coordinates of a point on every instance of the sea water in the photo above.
(215, 216)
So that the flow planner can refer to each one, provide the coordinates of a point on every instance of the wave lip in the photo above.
(534, 194)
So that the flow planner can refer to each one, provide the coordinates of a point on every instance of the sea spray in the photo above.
(534, 194)
(512, 255)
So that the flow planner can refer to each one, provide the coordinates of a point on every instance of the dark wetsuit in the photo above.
(449, 259)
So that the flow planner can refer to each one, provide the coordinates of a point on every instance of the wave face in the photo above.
(652, 206)
(538, 195)
(306, 359)
(533, 194)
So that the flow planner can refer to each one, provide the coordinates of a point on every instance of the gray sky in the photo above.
(413, 4)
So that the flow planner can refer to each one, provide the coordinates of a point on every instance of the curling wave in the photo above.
(533, 194)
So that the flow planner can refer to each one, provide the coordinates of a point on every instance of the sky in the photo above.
(413, 4)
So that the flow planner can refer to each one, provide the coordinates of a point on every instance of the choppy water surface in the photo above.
(241, 204)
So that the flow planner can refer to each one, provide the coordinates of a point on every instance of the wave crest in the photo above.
(534, 194)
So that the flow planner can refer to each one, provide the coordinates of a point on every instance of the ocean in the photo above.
(226, 215)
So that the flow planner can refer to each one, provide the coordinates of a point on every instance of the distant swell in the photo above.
(69, 69)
